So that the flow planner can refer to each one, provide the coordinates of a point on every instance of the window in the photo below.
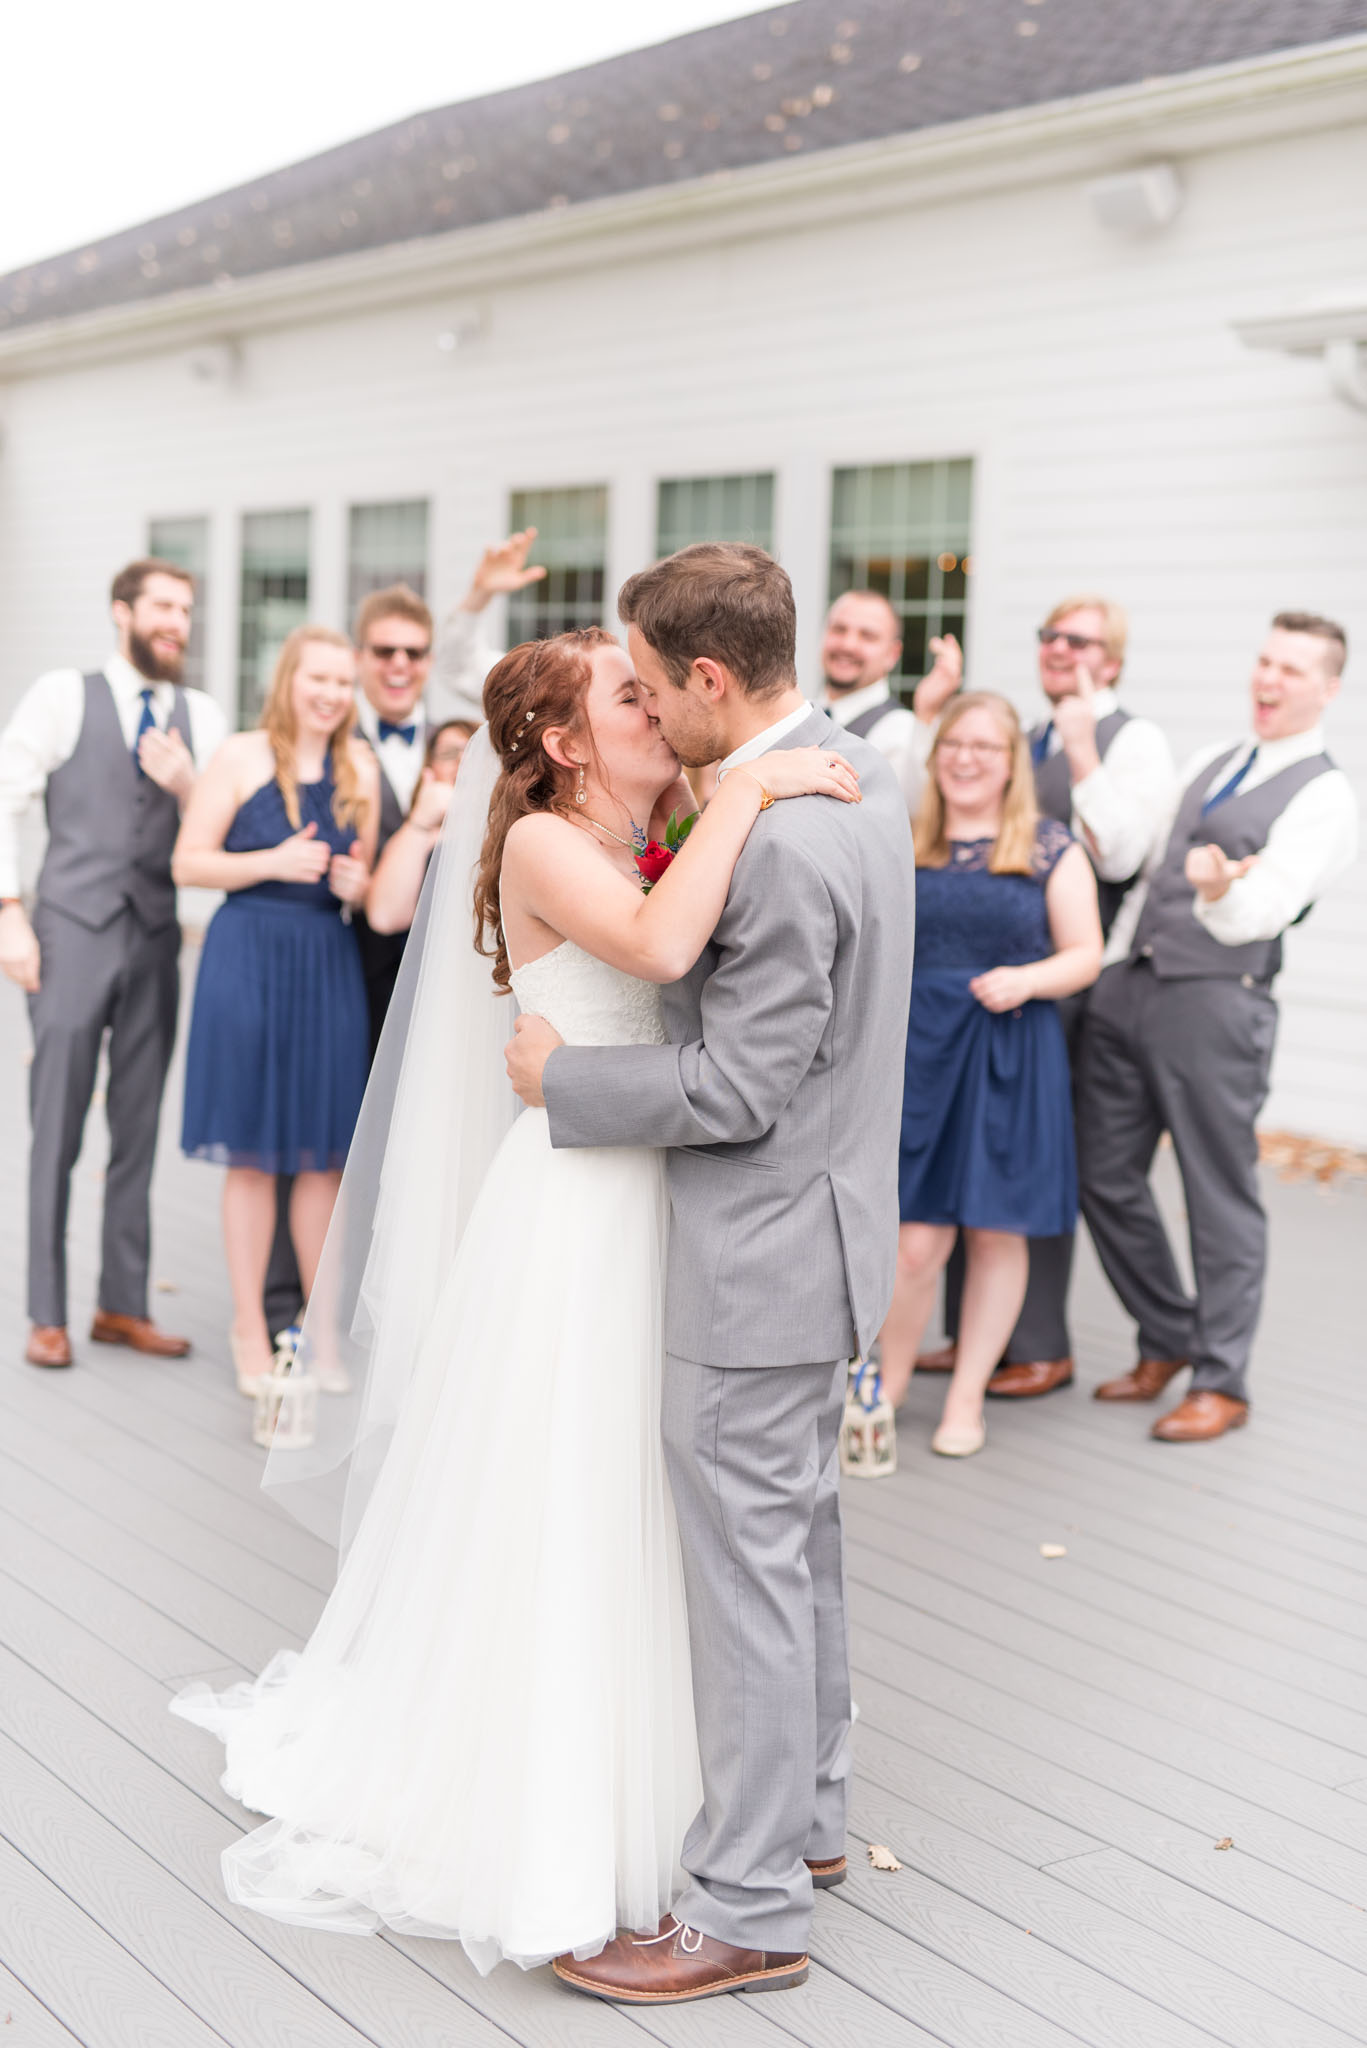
(275, 597)
(186, 543)
(714, 508)
(386, 544)
(571, 539)
(903, 528)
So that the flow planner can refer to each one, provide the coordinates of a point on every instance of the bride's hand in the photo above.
(804, 771)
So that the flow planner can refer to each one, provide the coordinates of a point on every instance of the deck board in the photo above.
(1053, 1749)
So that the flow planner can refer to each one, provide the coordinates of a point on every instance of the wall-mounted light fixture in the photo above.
(1137, 202)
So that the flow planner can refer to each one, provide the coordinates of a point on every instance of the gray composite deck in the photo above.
(1055, 1749)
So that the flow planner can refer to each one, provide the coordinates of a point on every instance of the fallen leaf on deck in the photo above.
(1225, 1842)
(1053, 1550)
(882, 1858)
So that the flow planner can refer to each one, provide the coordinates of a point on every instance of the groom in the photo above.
(780, 1101)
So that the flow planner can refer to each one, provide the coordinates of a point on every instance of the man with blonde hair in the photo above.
(1108, 776)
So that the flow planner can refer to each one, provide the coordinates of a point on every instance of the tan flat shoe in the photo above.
(948, 1442)
(247, 1382)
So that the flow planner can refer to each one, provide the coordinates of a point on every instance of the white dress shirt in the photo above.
(762, 741)
(1128, 799)
(461, 659)
(400, 759)
(1308, 847)
(46, 724)
(901, 738)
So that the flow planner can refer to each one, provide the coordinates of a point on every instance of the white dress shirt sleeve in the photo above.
(208, 727)
(461, 659)
(1308, 847)
(1122, 806)
(41, 735)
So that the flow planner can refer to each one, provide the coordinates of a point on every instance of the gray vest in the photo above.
(111, 830)
(1168, 936)
(862, 726)
(1054, 795)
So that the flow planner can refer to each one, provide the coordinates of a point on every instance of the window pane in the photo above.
(905, 529)
(571, 541)
(186, 543)
(275, 597)
(386, 544)
(714, 508)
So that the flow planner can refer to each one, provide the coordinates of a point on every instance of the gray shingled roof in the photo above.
(798, 78)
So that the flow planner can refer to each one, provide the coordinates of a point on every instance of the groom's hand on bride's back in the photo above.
(526, 1053)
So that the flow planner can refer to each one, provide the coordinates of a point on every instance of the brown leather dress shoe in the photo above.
(1202, 1415)
(1039, 1376)
(48, 1344)
(827, 1871)
(1144, 1381)
(677, 1964)
(938, 1361)
(139, 1333)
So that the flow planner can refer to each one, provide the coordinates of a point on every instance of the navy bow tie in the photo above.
(407, 733)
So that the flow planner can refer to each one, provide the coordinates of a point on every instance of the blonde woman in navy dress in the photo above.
(283, 820)
(1006, 923)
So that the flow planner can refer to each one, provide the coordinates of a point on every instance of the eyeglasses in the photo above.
(414, 654)
(1077, 641)
(977, 750)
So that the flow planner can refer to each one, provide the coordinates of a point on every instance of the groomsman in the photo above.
(860, 649)
(1180, 1030)
(1110, 778)
(114, 753)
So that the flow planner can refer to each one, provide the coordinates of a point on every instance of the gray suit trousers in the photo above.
(1191, 1057)
(126, 981)
(753, 1470)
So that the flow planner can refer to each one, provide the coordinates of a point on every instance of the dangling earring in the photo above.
(579, 795)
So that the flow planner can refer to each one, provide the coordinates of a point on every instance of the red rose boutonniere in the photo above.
(654, 858)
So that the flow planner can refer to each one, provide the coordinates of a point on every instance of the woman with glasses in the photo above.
(1006, 923)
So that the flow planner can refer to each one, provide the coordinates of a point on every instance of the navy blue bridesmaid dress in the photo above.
(987, 1116)
(276, 1064)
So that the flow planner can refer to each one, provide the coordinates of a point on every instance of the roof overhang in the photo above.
(1218, 108)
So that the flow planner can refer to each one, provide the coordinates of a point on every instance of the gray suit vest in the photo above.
(1054, 795)
(1168, 936)
(111, 830)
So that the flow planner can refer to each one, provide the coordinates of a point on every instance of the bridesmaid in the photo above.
(1006, 922)
(284, 820)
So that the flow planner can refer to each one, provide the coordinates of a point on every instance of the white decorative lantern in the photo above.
(286, 1416)
(868, 1434)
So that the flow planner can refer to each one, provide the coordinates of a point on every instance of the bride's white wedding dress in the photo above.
(490, 1735)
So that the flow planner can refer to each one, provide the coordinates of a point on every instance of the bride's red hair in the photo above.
(536, 687)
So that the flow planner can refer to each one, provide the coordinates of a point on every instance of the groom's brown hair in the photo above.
(722, 600)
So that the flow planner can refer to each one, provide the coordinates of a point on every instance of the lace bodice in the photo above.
(968, 919)
(588, 1002)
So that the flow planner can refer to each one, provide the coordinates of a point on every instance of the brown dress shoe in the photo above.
(48, 1344)
(1144, 1381)
(938, 1361)
(827, 1871)
(1202, 1415)
(139, 1333)
(676, 1964)
(1039, 1376)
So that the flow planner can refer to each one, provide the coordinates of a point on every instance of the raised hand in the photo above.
(502, 568)
(939, 683)
(20, 957)
(430, 804)
(348, 875)
(804, 771)
(1211, 872)
(303, 857)
(166, 760)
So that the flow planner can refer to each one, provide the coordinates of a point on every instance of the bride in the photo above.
(489, 1735)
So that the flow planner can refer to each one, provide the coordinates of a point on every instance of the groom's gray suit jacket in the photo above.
(780, 1095)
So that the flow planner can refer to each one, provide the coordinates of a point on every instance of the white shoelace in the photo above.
(683, 1933)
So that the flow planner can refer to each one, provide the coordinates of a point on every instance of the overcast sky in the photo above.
(117, 112)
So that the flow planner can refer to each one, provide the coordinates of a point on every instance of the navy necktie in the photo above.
(1228, 788)
(147, 723)
(1039, 745)
(407, 733)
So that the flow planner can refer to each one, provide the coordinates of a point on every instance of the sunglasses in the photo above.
(1077, 641)
(415, 654)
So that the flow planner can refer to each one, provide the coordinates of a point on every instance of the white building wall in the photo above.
(1123, 439)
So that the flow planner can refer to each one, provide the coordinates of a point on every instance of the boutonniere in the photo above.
(653, 858)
